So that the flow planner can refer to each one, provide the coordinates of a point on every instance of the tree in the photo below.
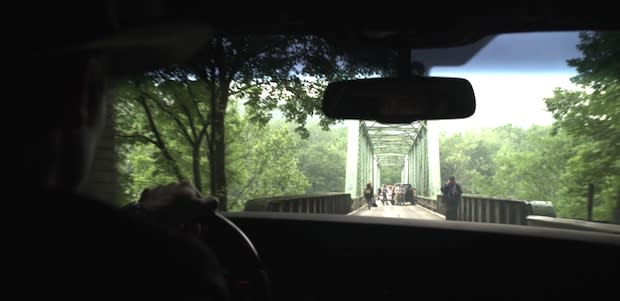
(267, 72)
(468, 157)
(533, 170)
(284, 72)
(322, 159)
(508, 161)
(262, 159)
(591, 116)
(263, 162)
(153, 110)
(390, 174)
(138, 122)
(140, 167)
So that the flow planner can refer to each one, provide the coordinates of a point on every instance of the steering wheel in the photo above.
(243, 269)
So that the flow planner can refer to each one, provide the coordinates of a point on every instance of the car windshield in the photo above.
(243, 122)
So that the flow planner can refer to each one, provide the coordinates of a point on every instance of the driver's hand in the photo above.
(176, 203)
(166, 195)
(181, 206)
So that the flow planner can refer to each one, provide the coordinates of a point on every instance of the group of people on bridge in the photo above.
(451, 196)
(395, 195)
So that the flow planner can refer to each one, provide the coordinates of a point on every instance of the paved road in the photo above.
(403, 211)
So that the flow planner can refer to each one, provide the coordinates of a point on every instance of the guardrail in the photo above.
(485, 209)
(573, 224)
(323, 203)
(475, 208)
(429, 203)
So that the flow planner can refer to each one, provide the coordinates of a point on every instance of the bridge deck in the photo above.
(398, 211)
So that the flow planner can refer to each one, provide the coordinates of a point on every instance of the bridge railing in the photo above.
(573, 224)
(485, 209)
(323, 203)
(429, 203)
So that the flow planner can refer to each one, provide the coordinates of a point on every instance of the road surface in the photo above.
(398, 211)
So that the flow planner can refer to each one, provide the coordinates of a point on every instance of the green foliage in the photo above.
(139, 168)
(532, 171)
(288, 73)
(163, 118)
(591, 117)
(322, 159)
(390, 174)
(469, 157)
(508, 162)
(263, 162)
(554, 163)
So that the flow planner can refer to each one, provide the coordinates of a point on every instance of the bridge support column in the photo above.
(424, 172)
(351, 176)
(375, 168)
(434, 169)
(364, 159)
(406, 171)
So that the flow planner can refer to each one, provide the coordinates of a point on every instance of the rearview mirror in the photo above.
(394, 100)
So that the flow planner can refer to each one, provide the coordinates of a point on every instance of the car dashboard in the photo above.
(328, 257)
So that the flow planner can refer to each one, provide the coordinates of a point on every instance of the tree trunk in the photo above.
(616, 215)
(218, 167)
(196, 165)
(217, 149)
(160, 142)
(220, 78)
(211, 141)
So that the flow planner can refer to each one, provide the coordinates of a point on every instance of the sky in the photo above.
(511, 76)
(508, 99)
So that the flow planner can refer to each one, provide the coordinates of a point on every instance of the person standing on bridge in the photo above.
(451, 198)
(409, 195)
(368, 195)
(384, 199)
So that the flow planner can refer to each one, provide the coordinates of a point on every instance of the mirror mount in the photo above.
(406, 67)
(404, 70)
